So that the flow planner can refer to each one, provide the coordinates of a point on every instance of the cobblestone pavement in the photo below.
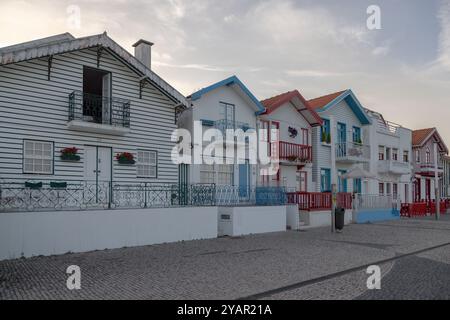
(312, 264)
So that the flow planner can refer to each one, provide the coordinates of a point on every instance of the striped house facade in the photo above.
(38, 96)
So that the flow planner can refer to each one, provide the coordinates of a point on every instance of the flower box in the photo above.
(125, 158)
(70, 154)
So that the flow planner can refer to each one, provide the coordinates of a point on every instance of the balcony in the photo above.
(428, 169)
(98, 114)
(394, 167)
(352, 152)
(294, 154)
(225, 124)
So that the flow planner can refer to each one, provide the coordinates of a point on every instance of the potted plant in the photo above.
(324, 136)
(125, 158)
(328, 138)
(70, 154)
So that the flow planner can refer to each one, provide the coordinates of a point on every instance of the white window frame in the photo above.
(141, 164)
(33, 158)
(215, 173)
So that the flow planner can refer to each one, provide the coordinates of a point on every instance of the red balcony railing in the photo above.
(295, 152)
(316, 201)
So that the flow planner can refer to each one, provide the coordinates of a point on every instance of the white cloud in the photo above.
(444, 35)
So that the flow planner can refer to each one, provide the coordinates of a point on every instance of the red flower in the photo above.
(72, 150)
(125, 155)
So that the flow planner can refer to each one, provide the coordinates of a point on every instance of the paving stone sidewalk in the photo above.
(231, 268)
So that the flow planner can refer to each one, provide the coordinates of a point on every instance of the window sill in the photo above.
(326, 144)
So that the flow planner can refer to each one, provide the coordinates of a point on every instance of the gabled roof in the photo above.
(326, 102)
(297, 101)
(421, 136)
(65, 42)
(236, 84)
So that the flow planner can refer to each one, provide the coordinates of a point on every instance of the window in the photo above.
(417, 156)
(325, 133)
(356, 134)
(394, 190)
(37, 157)
(342, 183)
(305, 137)
(146, 165)
(380, 153)
(428, 156)
(405, 156)
(227, 113)
(325, 180)
(395, 154)
(357, 188)
(225, 174)
(207, 173)
(381, 188)
(388, 188)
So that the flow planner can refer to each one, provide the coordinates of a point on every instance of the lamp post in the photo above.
(333, 173)
(437, 195)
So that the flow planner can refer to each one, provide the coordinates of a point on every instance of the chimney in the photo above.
(143, 52)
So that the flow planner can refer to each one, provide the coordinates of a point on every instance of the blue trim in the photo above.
(325, 180)
(227, 82)
(353, 103)
(375, 215)
(207, 123)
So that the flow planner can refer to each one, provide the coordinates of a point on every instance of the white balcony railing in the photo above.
(392, 166)
(352, 152)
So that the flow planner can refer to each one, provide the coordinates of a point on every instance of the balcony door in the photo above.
(341, 139)
(96, 95)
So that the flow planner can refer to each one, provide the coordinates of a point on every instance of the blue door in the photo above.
(244, 179)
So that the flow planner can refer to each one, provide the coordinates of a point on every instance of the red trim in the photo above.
(274, 103)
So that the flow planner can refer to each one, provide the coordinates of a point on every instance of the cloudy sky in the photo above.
(315, 46)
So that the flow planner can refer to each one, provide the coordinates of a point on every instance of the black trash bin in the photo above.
(339, 214)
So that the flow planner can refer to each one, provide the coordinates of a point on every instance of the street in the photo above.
(413, 255)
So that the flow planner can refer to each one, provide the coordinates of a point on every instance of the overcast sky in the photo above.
(317, 47)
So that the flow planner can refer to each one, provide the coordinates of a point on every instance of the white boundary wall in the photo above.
(292, 217)
(236, 221)
(46, 233)
(322, 218)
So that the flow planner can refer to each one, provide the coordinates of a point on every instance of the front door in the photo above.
(97, 170)
(428, 189)
(244, 179)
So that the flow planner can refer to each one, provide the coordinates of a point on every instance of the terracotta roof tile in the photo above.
(321, 102)
(419, 136)
(271, 104)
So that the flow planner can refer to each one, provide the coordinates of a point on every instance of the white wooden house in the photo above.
(423, 144)
(350, 141)
(227, 104)
(290, 115)
(90, 94)
(390, 161)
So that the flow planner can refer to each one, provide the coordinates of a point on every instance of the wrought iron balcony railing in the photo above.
(225, 124)
(97, 109)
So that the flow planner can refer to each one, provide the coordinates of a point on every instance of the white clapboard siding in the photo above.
(31, 107)
(321, 152)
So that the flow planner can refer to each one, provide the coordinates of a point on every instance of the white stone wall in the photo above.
(47, 233)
